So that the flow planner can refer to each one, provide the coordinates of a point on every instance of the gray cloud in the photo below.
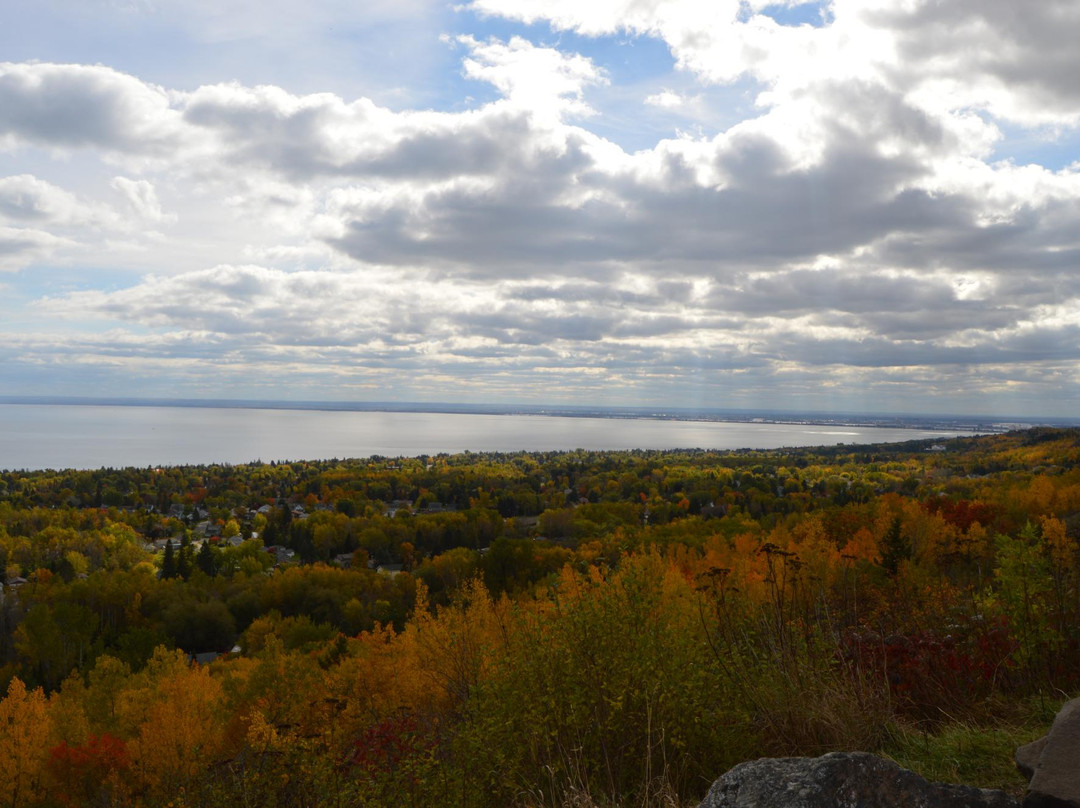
(79, 106)
(766, 213)
(1039, 344)
(1027, 49)
(850, 232)
(902, 307)
(323, 136)
(253, 314)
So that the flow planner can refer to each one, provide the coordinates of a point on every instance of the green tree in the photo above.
(55, 639)
(199, 627)
(168, 564)
(895, 547)
(184, 563)
(206, 560)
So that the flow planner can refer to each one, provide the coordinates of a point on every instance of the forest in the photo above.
(583, 629)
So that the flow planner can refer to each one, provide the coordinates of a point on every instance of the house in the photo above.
(398, 505)
(437, 507)
(281, 554)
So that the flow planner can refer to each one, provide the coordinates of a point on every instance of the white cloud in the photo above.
(23, 245)
(854, 214)
(141, 198)
(542, 80)
(40, 220)
(712, 38)
(665, 99)
(25, 198)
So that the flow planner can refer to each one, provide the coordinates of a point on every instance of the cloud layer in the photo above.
(858, 239)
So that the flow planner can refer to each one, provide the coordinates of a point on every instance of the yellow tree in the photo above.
(182, 727)
(25, 728)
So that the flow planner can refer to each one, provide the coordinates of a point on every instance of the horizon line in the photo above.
(550, 409)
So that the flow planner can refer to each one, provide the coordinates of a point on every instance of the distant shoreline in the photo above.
(956, 423)
(94, 433)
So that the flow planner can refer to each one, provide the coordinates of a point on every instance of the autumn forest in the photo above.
(559, 629)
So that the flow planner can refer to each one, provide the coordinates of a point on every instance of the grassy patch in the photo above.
(965, 753)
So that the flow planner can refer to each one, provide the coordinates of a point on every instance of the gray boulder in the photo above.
(1053, 763)
(841, 780)
(1027, 757)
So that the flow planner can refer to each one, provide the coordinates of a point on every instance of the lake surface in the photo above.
(90, 437)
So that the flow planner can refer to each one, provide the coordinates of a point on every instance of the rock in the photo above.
(1027, 757)
(1055, 778)
(841, 780)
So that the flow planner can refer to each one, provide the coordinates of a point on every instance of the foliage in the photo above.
(549, 629)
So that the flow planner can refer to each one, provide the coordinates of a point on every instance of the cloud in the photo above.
(543, 80)
(510, 187)
(1017, 61)
(372, 319)
(24, 245)
(851, 214)
(665, 99)
(25, 198)
(715, 40)
(735, 201)
(40, 220)
(141, 198)
(303, 138)
(79, 106)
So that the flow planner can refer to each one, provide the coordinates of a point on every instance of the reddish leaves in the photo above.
(86, 774)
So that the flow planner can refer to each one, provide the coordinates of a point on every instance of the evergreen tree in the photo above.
(184, 564)
(205, 560)
(168, 565)
(895, 547)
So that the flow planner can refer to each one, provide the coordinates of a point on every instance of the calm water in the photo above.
(90, 437)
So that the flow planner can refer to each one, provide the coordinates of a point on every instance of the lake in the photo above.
(90, 437)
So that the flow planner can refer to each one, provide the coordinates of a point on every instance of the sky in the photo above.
(855, 205)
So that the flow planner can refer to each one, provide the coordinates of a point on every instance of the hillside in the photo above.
(561, 629)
